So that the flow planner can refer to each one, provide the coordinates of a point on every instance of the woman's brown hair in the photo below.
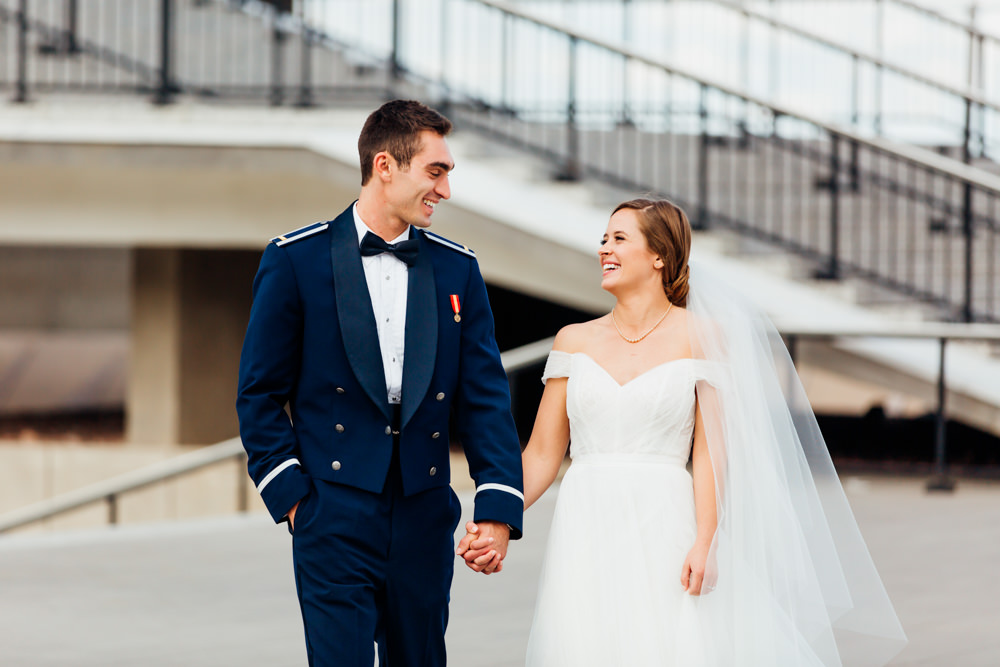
(667, 231)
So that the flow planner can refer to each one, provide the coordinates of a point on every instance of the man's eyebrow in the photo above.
(441, 165)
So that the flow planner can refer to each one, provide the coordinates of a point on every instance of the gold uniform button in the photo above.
(435, 435)
(388, 430)
(335, 465)
(440, 396)
(339, 428)
(433, 471)
(340, 390)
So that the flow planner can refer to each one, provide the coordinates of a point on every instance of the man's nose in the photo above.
(444, 188)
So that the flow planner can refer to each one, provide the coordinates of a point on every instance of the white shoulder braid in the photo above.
(300, 233)
(458, 247)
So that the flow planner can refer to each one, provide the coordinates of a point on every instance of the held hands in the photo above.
(693, 570)
(484, 546)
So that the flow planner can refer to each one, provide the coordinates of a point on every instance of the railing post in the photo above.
(505, 21)
(855, 92)
(701, 218)
(21, 95)
(571, 168)
(940, 480)
(395, 69)
(967, 226)
(242, 486)
(626, 119)
(112, 509)
(832, 271)
(277, 45)
(968, 232)
(880, 52)
(305, 74)
(69, 37)
(165, 89)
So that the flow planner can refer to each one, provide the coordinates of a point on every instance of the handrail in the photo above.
(513, 360)
(109, 489)
(966, 94)
(938, 16)
(913, 154)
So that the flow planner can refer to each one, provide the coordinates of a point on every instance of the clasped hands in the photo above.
(484, 546)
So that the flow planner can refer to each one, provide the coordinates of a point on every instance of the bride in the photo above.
(751, 558)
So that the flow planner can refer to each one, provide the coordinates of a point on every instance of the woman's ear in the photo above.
(658, 263)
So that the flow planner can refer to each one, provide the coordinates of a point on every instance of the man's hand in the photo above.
(484, 546)
(291, 516)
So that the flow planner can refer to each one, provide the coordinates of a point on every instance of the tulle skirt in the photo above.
(610, 590)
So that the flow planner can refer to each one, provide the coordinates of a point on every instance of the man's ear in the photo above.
(382, 165)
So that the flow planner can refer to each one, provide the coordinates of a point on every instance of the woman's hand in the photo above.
(693, 571)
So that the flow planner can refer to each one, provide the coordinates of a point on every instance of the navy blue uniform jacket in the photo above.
(311, 345)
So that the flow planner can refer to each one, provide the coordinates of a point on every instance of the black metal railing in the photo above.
(904, 220)
(801, 55)
(244, 50)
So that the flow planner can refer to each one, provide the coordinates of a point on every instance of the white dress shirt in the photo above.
(387, 284)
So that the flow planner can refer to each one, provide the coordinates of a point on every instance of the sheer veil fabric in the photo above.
(790, 580)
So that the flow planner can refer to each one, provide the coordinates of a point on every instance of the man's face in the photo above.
(412, 193)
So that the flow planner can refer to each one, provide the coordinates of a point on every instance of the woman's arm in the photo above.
(706, 517)
(546, 447)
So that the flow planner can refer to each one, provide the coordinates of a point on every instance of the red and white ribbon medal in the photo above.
(457, 307)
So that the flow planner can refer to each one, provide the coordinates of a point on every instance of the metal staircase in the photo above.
(850, 203)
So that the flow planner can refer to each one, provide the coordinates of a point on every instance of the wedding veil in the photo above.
(788, 570)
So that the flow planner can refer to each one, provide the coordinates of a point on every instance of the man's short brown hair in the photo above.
(395, 127)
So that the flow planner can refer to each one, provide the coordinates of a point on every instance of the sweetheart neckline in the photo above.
(640, 375)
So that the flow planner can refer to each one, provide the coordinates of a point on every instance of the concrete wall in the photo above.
(50, 288)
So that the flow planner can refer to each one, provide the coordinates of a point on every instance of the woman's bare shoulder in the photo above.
(574, 338)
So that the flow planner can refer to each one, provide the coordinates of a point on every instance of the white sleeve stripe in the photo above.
(274, 473)
(500, 487)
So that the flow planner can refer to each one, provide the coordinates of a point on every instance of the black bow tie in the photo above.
(404, 251)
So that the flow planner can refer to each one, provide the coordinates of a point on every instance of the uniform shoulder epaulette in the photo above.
(300, 233)
(465, 250)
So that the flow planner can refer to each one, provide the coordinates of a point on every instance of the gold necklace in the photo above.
(636, 340)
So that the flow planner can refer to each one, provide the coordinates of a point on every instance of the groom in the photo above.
(366, 333)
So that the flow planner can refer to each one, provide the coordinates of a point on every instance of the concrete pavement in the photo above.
(220, 591)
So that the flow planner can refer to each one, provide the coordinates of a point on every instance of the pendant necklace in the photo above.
(636, 340)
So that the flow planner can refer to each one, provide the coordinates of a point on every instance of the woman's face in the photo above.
(627, 263)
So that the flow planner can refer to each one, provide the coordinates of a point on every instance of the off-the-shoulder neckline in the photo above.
(612, 377)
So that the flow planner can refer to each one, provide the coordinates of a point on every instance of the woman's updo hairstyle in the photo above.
(668, 235)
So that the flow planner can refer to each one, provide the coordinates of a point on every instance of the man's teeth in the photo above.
(429, 203)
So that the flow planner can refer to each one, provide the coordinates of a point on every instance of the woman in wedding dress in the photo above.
(750, 558)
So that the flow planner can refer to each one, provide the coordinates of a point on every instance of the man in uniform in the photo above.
(366, 333)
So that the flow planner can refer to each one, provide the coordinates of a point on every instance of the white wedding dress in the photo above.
(610, 591)
(789, 579)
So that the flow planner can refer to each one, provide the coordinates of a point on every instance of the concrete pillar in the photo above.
(216, 290)
(189, 314)
(152, 403)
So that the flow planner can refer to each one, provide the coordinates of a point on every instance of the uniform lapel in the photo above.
(421, 330)
(354, 310)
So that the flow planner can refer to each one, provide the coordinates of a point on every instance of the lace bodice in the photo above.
(652, 414)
